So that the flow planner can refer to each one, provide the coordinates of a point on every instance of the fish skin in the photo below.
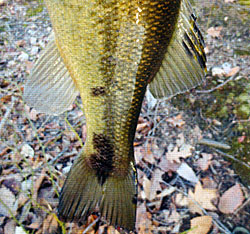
(119, 46)
(112, 50)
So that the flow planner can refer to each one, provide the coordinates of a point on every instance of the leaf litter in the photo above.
(180, 182)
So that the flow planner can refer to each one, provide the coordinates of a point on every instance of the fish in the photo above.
(111, 52)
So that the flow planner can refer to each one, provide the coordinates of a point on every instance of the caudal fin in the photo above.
(83, 192)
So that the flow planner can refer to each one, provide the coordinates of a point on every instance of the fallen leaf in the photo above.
(233, 71)
(151, 187)
(37, 185)
(176, 121)
(143, 220)
(202, 197)
(50, 224)
(209, 183)
(204, 162)
(214, 31)
(8, 198)
(231, 199)
(19, 230)
(10, 227)
(27, 151)
(201, 225)
(181, 200)
(187, 173)
(6, 98)
(218, 71)
(144, 153)
(177, 154)
(167, 165)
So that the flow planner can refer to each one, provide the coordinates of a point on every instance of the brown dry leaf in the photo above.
(10, 227)
(184, 152)
(181, 200)
(233, 71)
(143, 220)
(176, 121)
(214, 31)
(231, 199)
(167, 165)
(201, 225)
(6, 98)
(209, 183)
(203, 197)
(37, 185)
(112, 230)
(152, 186)
(50, 224)
(144, 153)
(205, 161)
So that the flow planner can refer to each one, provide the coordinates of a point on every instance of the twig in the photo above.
(242, 206)
(218, 86)
(7, 113)
(216, 221)
(91, 225)
(233, 158)
(212, 143)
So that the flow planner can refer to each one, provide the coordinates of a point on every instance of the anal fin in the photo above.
(49, 88)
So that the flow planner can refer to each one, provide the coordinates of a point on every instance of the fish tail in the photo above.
(83, 192)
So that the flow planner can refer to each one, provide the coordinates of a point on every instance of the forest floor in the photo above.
(192, 153)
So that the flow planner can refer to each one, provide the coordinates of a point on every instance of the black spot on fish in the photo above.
(102, 160)
(98, 91)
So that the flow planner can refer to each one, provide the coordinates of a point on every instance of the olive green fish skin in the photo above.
(112, 49)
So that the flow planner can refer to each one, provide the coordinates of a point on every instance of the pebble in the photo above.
(33, 41)
(34, 50)
(23, 57)
(217, 71)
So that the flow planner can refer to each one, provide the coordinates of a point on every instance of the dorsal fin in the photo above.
(184, 64)
(49, 88)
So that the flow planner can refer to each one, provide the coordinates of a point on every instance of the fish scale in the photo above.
(110, 51)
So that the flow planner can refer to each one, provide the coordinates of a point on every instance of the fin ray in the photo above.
(183, 66)
(49, 88)
(82, 194)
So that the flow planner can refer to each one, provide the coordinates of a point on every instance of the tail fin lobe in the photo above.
(82, 193)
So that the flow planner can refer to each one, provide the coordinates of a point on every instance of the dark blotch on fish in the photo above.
(102, 160)
(98, 91)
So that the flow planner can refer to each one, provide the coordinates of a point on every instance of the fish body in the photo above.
(109, 51)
